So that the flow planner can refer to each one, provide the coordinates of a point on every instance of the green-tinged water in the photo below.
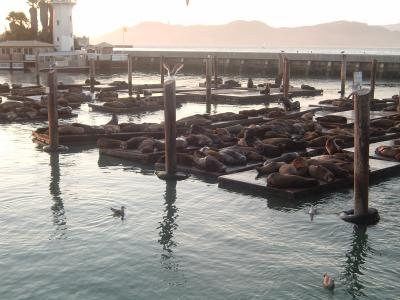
(185, 240)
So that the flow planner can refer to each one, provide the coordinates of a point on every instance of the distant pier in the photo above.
(258, 63)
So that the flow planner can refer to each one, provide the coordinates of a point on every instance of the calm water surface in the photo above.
(185, 240)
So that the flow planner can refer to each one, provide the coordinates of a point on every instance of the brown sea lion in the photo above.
(319, 141)
(332, 146)
(105, 143)
(231, 157)
(335, 169)
(208, 163)
(286, 158)
(321, 173)
(269, 168)
(388, 151)
(181, 143)
(383, 123)
(276, 141)
(278, 180)
(133, 143)
(70, 130)
(147, 146)
(311, 135)
(268, 150)
(132, 127)
(199, 140)
(290, 169)
(348, 166)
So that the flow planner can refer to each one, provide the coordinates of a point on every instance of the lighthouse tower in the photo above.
(62, 24)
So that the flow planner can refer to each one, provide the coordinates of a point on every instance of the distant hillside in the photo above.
(256, 34)
(395, 27)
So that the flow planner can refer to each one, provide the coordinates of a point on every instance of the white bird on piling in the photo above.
(120, 213)
(328, 282)
(312, 211)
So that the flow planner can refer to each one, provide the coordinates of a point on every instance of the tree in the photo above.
(34, 16)
(19, 26)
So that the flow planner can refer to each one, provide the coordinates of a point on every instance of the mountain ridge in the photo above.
(256, 34)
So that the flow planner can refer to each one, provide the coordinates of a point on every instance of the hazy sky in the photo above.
(95, 17)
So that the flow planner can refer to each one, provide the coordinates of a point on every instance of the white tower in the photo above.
(62, 24)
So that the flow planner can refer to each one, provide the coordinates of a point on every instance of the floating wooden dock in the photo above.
(349, 115)
(373, 146)
(247, 182)
(133, 155)
(92, 138)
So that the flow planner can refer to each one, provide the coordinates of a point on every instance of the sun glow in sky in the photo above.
(96, 17)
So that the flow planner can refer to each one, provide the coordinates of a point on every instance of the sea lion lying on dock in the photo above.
(321, 173)
(208, 163)
(389, 151)
(70, 130)
(150, 145)
(106, 143)
(269, 168)
(278, 180)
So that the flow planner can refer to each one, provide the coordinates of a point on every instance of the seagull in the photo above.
(118, 212)
(328, 282)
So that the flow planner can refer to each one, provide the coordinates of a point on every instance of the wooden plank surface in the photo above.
(132, 155)
(372, 148)
(247, 182)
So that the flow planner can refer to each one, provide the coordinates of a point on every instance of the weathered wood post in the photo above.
(52, 112)
(162, 69)
(278, 79)
(343, 75)
(92, 72)
(398, 104)
(37, 70)
(170, 131)
(361, 214)
(286, 77)
(130, 88)
(208, 83)
(215, 72)
(374, 64)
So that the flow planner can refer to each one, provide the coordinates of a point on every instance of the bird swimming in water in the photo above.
(312, 212)
(119, 213)
(328, 282)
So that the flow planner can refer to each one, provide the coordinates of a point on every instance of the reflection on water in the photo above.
(168, 225)
(355, 260)
(59, 218)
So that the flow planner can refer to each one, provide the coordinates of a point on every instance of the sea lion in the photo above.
(10, 105)
(105, 143)
(208, 163)
(297, 167)
(70, 130)
(133, 143)
(181, 143)
(321, 173)
(268, 150)
(311, 135)
(286, 158)
(132, 127)
(232, 157)
(90, 129)
(319, 141)
(147, 146)
(276, 141)
(111, 128)
(348, 166)
(269, 168)
(199, 140)
(388, 151)
(332, 146)
(383, 123)
(337, 171)
(278, 180)
(293, 145)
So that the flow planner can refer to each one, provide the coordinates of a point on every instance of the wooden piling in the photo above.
(162, 72)
(52, 110)
(278, 79)
(286, 76)
(208, 80)
(92, 71)
(343, 75)
(215, 72)
(37, 70)
(170, 126)
(130, 88)
(361, 152)
(374, 64)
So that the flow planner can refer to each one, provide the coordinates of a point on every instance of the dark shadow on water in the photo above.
(356, 258)
(59, 218)
(168, 225)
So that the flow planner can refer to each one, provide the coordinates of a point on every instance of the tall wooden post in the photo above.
(286, 77)
(343, 75)
(215, 71)
(162, 72)
(52, 110)
(37, 70)
(11, 61)
(170, 126)
(130, 88)
(278, 79)
(208, 82)
(374, 64)
(92, 71)
(361, 152)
